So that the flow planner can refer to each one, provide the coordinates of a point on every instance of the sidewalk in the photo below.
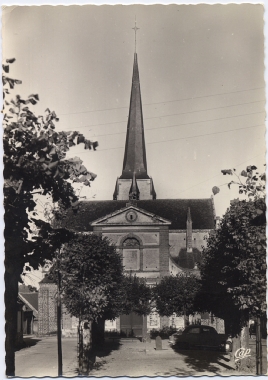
(125, 357)
(120, 358)
(41, 359)
(136, 359)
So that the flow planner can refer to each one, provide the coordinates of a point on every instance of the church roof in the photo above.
(24, 289)
(175, 210)
(135, 154)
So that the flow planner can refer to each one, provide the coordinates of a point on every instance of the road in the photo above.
(135, 359)
(125, 358)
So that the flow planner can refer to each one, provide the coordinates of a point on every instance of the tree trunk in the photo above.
(80, 347)
(235, 346)
(88, 357)
(186, 318)
(245, 363)
(98, 333)
(59, 324)
(241, 341)
(245, 337)
(11, 297)
(144, 328)
(258, 348)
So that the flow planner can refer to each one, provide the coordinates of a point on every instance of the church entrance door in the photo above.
(131, 324)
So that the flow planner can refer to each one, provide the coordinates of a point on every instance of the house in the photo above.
(29, 301)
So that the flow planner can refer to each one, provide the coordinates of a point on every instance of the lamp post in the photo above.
(59, 316)
(258, 347)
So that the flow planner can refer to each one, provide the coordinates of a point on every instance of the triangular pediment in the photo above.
(131, 215)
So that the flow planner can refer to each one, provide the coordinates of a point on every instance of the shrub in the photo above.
(164, 333)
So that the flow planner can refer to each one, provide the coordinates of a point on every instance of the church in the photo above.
(155, 237)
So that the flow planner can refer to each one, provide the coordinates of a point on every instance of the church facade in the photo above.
(155, 237)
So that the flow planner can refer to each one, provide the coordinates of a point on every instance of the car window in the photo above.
(194, 330)
(208, 330)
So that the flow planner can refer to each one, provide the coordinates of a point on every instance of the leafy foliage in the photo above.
(234, 261)
(91, 272)
(233, 269)
(135, 296)
(92, 282)
(164, 333)
(188, 260)
(252, 182)
(34, 161)
(176, 294)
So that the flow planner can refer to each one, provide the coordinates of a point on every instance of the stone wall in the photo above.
(124, 185)
(47, 313)
(177, 241)
(47, 309)
(164, 252)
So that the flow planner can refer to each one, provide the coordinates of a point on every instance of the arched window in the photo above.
(131, 242)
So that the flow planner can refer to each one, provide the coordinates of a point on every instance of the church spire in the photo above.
(135, 154)
(134, 182)
(135, 30)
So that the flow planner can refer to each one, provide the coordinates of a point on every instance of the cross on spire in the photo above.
(135, 30)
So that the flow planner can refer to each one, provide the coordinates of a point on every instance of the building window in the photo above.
(151, 259)
(154, 319)
(131, 254)
(131, 242)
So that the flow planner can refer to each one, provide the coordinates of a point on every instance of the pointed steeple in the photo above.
(135, 154)
(134, 181)
(134, 192)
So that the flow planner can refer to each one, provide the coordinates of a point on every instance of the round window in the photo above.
(131, 216)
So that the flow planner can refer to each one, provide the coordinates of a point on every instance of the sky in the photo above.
(202, 85)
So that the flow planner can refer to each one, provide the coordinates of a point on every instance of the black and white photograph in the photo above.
(134, 190)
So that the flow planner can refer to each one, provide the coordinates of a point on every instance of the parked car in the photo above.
(201, 336)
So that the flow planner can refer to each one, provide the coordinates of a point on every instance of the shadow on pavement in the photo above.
(97, 355)
(109, 346)
(204, 360)
(28, 342)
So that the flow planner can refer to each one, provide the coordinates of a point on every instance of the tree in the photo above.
(132, 295)
(92, 282)
(135, 296)
(91, 272)
(94, 288)
(176, 294)
(250, 182)
(34, 162)
(233, 268)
